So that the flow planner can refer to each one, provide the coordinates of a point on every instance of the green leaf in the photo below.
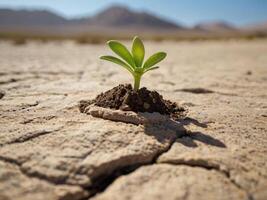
(151, 68)
(117, 61)
(154, 59)
(122, 51)
(138, 51)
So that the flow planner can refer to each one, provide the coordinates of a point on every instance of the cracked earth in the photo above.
(49, 150)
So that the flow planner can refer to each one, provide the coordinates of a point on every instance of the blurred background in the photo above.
(93, 21)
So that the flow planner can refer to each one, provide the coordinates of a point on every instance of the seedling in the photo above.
(133, 62)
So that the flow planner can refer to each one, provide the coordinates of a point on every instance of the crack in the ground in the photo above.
(30, 135)
(33, 175)
(40, 73)
(19, 165)
(36, 176)
(31, 120)
(99, 184)
(102, 183)
(203, 91)
(38, 94)
(202, 163)
(13, 80)
(2, 94)
(195, 90)
(29, 105)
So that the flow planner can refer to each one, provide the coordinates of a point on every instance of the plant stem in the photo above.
(137, 78)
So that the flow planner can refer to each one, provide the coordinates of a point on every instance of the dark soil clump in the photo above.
(123, 97)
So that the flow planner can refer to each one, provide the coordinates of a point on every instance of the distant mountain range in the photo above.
(110, 18)
(215, 26)
(257, 27)
(115, 18)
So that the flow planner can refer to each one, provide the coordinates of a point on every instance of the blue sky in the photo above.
(187, 12)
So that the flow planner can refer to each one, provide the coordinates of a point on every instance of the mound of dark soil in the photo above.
(123, 97)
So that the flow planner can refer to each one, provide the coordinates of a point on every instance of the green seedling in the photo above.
(133, 62)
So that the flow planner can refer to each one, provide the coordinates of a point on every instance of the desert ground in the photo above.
(49, 150)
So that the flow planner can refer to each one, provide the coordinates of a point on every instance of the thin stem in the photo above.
(137, 78)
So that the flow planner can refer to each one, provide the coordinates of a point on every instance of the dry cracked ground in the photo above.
(51, 151)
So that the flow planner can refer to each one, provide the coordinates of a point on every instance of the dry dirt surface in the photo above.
(51, 151)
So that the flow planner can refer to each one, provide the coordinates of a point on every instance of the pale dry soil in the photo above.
(49, 150)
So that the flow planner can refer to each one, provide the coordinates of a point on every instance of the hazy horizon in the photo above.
(188, 13)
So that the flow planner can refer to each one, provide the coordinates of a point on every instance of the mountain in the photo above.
(10, 17)
(261, 27)
(118, 16)
(215, 26)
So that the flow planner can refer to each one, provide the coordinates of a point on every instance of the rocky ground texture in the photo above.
(49, 150)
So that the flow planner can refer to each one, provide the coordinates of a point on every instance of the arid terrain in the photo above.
(51, 151)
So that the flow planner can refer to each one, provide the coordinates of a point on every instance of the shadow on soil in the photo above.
(161, 132)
